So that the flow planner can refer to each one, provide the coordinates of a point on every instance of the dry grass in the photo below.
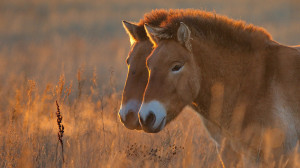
(93, 135)
(74, 52)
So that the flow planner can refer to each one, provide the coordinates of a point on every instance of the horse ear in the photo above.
(152, 33)
(184, 35)
(131, 29)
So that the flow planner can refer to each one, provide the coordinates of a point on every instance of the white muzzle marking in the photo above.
(157, 109)
(131, 105)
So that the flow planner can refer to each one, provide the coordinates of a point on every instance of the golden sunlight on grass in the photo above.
(93, 134)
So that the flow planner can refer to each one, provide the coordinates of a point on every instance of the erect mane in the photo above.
(209, 26)
(153, 18)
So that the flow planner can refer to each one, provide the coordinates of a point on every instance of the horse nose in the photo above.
(131, 121)
(152, 116)
(130, 117)
(149, 121)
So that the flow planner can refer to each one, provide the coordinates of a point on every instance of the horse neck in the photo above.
(229, 79)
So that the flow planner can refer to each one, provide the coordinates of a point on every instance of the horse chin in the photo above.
(156, 130)
(138, 127)
(135, 126)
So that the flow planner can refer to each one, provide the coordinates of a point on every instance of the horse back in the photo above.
(297, 47)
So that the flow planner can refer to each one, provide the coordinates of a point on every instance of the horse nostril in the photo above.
(142, 121)
(130, 116)
(150, 120)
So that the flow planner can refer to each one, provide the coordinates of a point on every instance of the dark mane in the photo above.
(210, 26)
(153, 18)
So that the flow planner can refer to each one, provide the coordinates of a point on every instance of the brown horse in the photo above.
(244, 85)
(137, 76)
(297, 47)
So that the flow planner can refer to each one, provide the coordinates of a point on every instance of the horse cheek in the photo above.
(194, 86)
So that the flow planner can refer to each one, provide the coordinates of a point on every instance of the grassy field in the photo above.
(73, 52)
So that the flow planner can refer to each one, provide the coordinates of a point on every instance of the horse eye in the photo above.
(176, 68)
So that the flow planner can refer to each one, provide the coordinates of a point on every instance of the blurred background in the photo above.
(74, 51)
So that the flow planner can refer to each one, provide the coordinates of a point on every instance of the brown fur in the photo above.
(153, 18)
(216, 28)
(297, 47)
(244, 85)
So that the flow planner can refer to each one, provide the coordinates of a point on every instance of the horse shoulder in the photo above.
(286, 93)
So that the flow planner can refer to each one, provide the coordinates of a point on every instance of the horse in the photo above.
(243, 84)
(137, 76)
(297, 47)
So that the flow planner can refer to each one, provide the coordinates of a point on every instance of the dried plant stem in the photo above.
(60, 130)
(102, 111)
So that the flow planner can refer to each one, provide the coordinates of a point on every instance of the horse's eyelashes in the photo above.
(176, 68)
